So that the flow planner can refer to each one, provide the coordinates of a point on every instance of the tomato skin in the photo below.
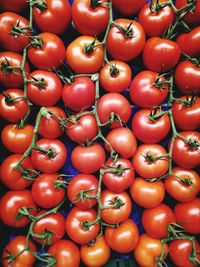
(14, 6)
(146, 194)
(17, 140)
(193, 16)
(79, 183)
(124, 238)
(15, 111)
(16, 245)
(11, 177)
(79, 95)
(179, 190)
(160, 54)
(44, 191)
(124, 48)
(74, 225)
(88, 159)
(128, 7)
(89, 20)
(188, 215)
(55, 18)
(97, 254)
(11, 202)
(81, 62)
(64, 251)
(115, 215)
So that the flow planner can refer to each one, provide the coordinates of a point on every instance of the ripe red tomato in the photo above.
(66, 253)
(124, 238)
(15, 139)
(85, 55)
(51, 161)
(46, 193)
(192, 16)
(128, 7)
(14, 6)
(147, 194)
(117, 206)
(77, 226)
(146, 163)
(10, 204)
(53, 18)
(12, 109)
(160, 54)
(125, 40)
(90, 17)
(80, 184)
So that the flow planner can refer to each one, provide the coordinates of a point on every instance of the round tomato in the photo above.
(128, 7)
(14, 6)
(193, 15)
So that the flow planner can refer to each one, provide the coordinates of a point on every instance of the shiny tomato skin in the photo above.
(193, 16)
(128, 7)
(13, 6)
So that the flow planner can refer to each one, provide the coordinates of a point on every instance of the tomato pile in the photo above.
(100, 116)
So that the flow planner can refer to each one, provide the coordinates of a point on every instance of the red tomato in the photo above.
(117, 206)
(46, 192)
(90, 17)
(160, 54)
(124, 238)
(17, 140)
(14, 6)
(65, 253)
(147, 194)
(193, 16)
(128, 7)
(12, 109)
(144, 92)
(77, 226)
(11, 203)
(88, 159)
(125, 39)
(53, 18)
(80, 188)
(146, 163)
(53, 160)
(188, 215)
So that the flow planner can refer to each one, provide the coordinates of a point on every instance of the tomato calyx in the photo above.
(188, 102)
(40, 4)
(163, 84)
(24, 211)
(150, 158)
(36, 41)
(114, 71)
(45, 236)
(7, 68)
(154, 115)
(155, 6)
(41, 84)
(89, 48)
(127, 32)
(11, 100)
(115, 203)
(193, 143)
(95, 3)
(186, 181)
(115, 170)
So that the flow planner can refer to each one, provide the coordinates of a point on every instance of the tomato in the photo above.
(64, 251)
(150, 130)
(81, 188)
(53, 18)
(186, 151)
(15, 246)
(160, 54)
(117, 206)
(187, 77)
(88, 159)
(14, 6)
(52, 226)
(11, 203)
(55, 157)
(120, 177)
(77, 225)
(193, 16)
(180, 252)
(115, 76)
(186, 113)
(124, 238)
(44, 88)
(146, 163)
(85, 55)
(188, 215)
(155, 23)
(80, 94)
(183, 184)
(50, 54)
(82, 129)
(123, 141)
(15, 139)
(144, 92)
(147, 194)
(125, 40)
(46, 192)
(97, 254)
(11, 77)
(128, 7)
(13, 106)
(12, 178)
(148, 251)
(90, 17)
